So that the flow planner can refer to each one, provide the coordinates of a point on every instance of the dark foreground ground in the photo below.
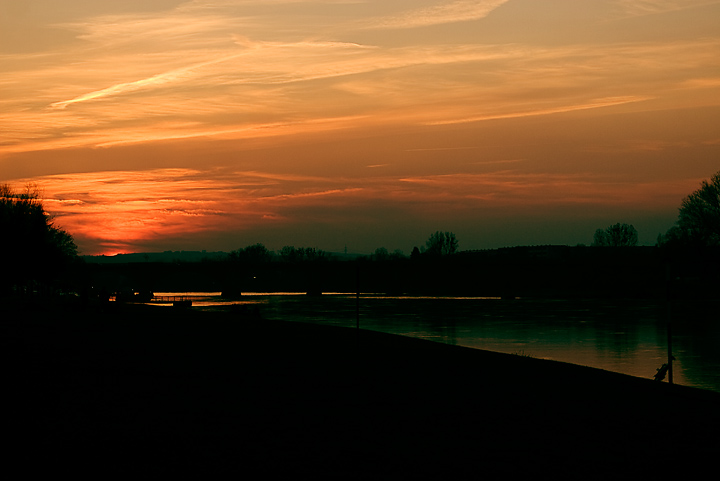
(155, 390)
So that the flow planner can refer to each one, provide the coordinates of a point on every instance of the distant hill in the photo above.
(183, 256)
(167, 256)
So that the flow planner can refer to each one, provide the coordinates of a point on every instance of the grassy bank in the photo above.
(157, 390)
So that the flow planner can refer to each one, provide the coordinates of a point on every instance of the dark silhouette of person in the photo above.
(661, 372)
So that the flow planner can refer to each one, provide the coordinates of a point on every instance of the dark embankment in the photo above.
(145, 391)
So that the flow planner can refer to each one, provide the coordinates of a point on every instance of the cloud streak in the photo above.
(646, 7)
(146, 83)
(143, 207)
(211, 69)
(275, 84)
(594, 104)
(445, 12)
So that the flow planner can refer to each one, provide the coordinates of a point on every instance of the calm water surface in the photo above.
(629, 337)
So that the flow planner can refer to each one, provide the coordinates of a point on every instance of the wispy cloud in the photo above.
(222, 69)
(541, 190)
(141, 207)
(593, 104)
(154, 81)
(436, 149)
(652, 7)
(444, 12)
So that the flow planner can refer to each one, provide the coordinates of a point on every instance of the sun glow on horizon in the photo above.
(124, 212)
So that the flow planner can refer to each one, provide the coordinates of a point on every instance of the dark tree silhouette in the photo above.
(441, 243)
(618, 235)
(291, 254)
(31, 246)
(312, 253)
(699, 216)
(381, 254)
(255, 253)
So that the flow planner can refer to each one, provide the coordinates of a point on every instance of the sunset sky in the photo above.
(155, 125)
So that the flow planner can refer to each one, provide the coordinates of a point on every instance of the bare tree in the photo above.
(441, 243)
(618, 235)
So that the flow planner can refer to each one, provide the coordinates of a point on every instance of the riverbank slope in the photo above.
(141, 389)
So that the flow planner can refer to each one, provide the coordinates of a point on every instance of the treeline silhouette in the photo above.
(685, 263)
(534, 271)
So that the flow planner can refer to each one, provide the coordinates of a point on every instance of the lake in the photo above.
(629, 337)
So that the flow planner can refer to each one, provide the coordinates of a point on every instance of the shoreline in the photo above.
(159, 389)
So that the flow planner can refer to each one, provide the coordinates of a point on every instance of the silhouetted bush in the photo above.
(32, 248)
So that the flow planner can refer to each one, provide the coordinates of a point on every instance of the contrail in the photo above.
(126, 87)
(599, 103)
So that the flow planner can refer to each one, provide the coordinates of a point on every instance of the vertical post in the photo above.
(669, 344)
(668, 296)
(357, 297)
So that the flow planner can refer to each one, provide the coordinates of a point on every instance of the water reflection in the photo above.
(622, 336)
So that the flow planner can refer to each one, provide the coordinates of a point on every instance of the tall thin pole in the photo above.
(669, 344)
(668, 297)
(357, 297)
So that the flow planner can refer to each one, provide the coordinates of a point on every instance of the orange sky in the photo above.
(214, 124)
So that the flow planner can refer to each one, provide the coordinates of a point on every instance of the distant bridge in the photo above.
(149, 298)
(166, 299)
(177, 301)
